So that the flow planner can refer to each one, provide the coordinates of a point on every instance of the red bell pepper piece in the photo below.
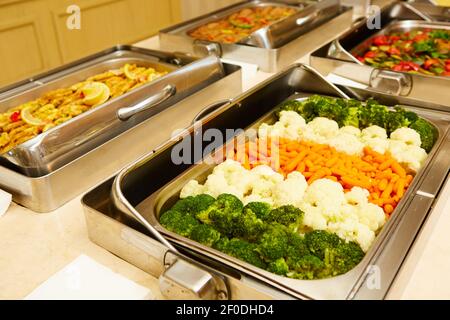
(15, 116)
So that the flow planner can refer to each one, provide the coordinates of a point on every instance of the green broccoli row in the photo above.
(264, 237)
(350, 112)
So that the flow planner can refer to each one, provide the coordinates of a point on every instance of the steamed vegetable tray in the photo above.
(418, 51)
(306, 198)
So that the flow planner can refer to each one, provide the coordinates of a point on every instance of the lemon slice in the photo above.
(27, 117)
(128, 73)
(95, 93)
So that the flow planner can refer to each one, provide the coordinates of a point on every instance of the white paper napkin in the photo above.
(5, 202)
(85, 279)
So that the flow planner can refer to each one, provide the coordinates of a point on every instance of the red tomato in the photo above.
(370, 54)
(397, 67)
(394, 38)
(380, 40)
(447, 67)
(360, 58)
(446, 73)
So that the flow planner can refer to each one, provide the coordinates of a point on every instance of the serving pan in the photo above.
(133, 194)
(335, 59)
(60, 145)
(272, 47)
(45, 172)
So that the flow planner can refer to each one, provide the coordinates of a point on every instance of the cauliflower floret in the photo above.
(192, 188)
(291, 190)
(373, 132)
(235, 174)
(266, 130)
(308, 134)
(379, 145)
(357, 196)
(354, 131)
(372, 216)
(413, 157)
(347, 143)
(313, 217)
(408, 136)
(396, 148)
(327, 195)
(292, 119)
(324, 127)
(216, 184)
(352, 230)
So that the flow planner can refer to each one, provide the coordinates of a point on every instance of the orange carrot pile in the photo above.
(381, 175)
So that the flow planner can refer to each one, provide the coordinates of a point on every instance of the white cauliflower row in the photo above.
(403, 144)
(324, 202)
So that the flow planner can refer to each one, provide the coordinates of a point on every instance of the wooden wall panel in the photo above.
(21, 38)
(34, 36)
(193, 8)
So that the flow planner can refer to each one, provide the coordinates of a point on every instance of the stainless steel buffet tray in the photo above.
(52, 168)
(150, 182)
(335, 59)
(431, 10)
(58, 146)
(272, 47)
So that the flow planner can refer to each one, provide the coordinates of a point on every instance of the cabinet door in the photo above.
(26, 43)
(105, 23)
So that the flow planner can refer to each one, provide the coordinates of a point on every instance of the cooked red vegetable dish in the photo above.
(241, 24)
(422, 51)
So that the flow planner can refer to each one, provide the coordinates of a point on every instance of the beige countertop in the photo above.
(35, 246)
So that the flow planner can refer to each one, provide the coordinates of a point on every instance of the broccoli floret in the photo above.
(274, 242)
(373, 114)
(193, 205)
(399, 118)
(297, 249)
(290, 105)
(260, 209)
(278, 266)
(245, 251)
(178, 222)
(288, 216)
(222, 213)
(349, 117)
(307, 268)
(320, 241)
(205, 234)
(345, 257)
(428, 133)
(221, 244)
(329, 108)
(248, 226)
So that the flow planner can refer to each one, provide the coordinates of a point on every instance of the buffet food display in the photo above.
(407, 56)
(76, 117)
(24, 122)
(241, 24)
(271, 34)
(322, 189)
(324, 183)
(422, 51)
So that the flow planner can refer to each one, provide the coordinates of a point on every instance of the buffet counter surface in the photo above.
(35, 246)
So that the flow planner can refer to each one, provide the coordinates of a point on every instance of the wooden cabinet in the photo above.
(34, 36)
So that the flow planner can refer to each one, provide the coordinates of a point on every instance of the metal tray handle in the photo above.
(126, 113)
(210, 109)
